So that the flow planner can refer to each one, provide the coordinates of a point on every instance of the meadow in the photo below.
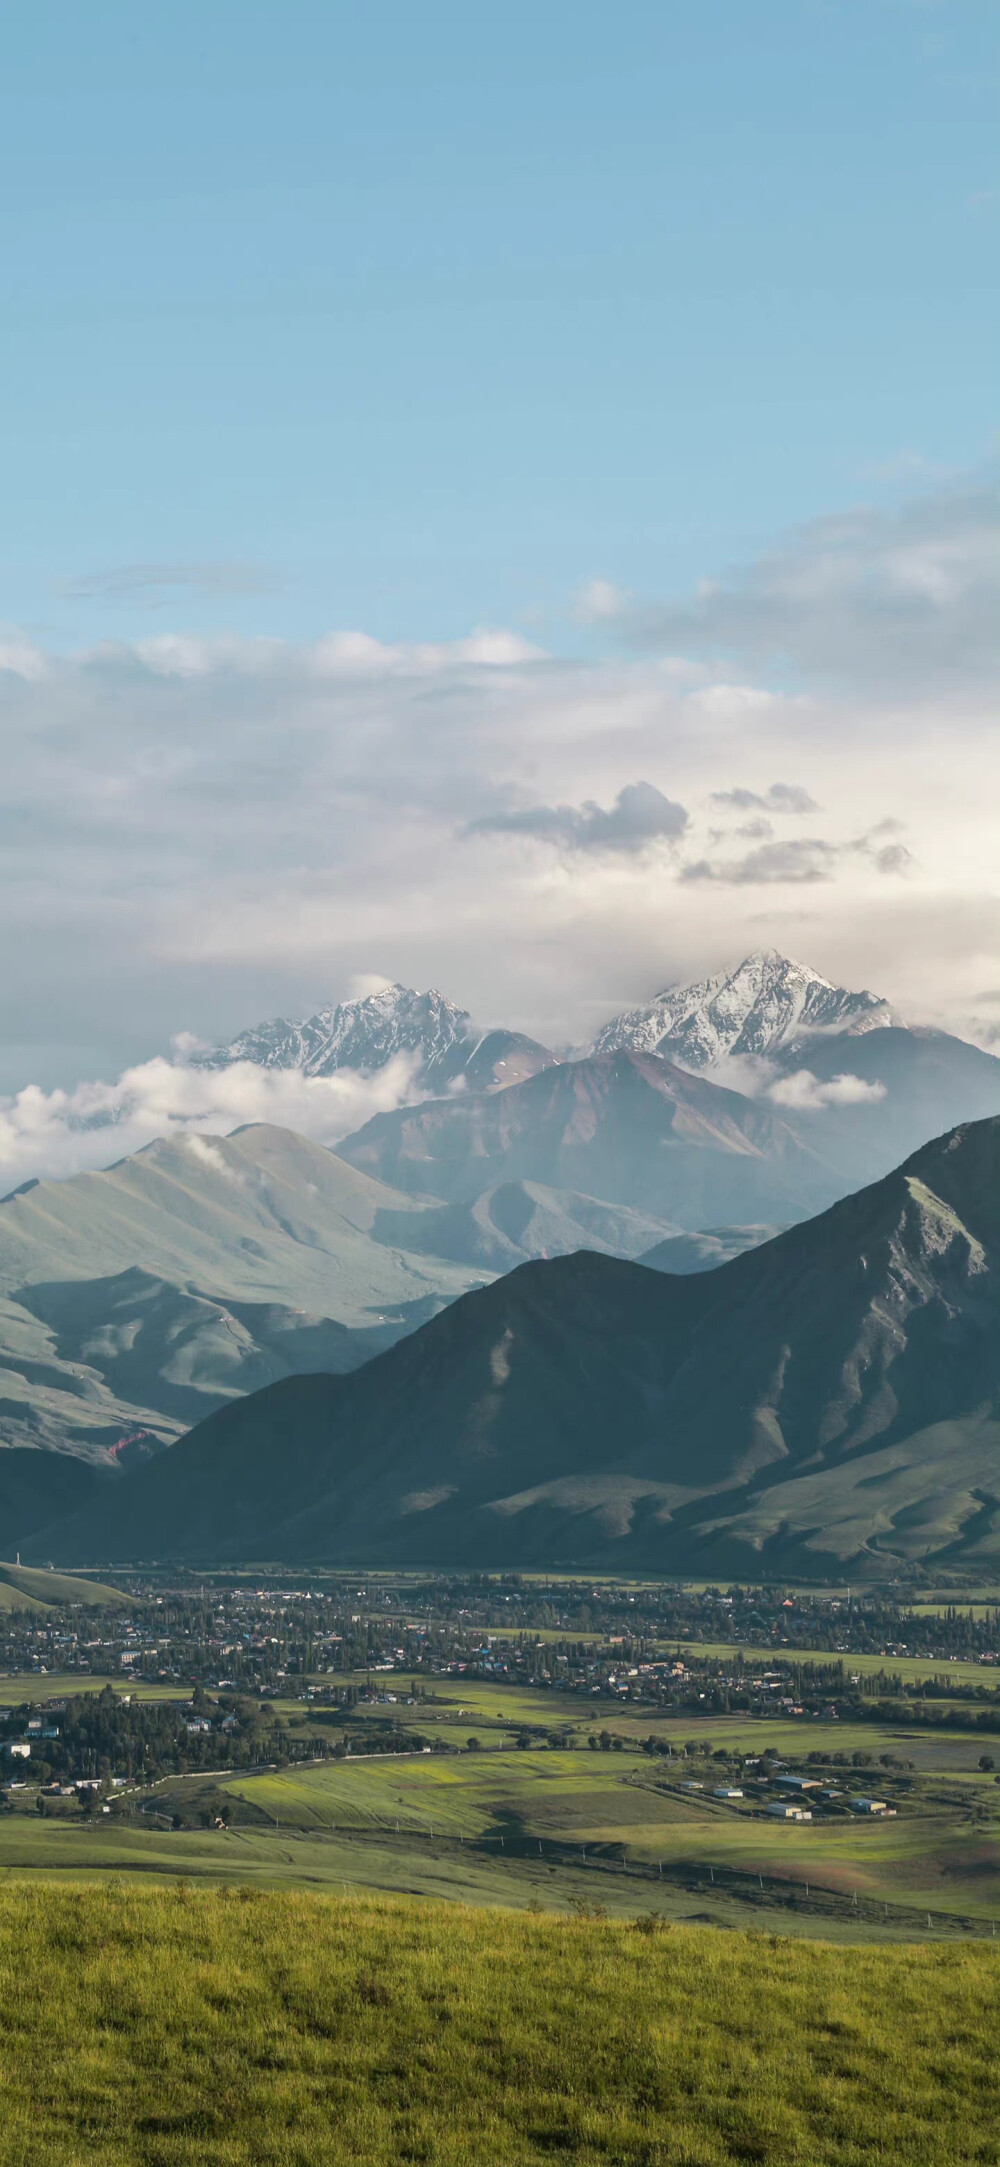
(242, 2028)
(510, 1826)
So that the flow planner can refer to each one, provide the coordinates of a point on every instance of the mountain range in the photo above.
(426, 1029)
(136, 1300)
(824, 1402)
(857, 1086)
(764, 1003)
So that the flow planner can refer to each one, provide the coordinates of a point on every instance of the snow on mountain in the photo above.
(361, 1034)
(768, 1000)
(366, 1033)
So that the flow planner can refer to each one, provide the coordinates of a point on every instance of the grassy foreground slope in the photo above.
(166, 2027)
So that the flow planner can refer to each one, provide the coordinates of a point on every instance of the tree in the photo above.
(472, 1745)
(987, 1763)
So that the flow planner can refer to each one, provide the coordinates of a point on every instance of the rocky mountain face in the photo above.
(438, 1038)
(753, 1010)
(825, 1401)
(628, 1128)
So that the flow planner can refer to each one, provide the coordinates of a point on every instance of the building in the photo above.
(692, 1786)
(782, 1809)
(17, 1749)
(868, 1805)
(796, 1783)
(724, 1791)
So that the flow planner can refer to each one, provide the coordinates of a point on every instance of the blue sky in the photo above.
(496, 498)
(418, 318)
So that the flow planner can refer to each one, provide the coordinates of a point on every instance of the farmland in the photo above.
(503, 1743)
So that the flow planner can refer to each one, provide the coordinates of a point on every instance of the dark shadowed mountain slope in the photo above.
(829, 1398)
(627, 1127)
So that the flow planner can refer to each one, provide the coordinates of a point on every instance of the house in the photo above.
(868, 1805)
(198, 1723)
(725, 1791)
(17, 1749)
(782, 1809)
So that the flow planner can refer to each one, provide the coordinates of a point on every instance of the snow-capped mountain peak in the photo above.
(360, 1034)
(364, 1034)
(766, 1001)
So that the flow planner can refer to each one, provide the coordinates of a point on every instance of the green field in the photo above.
(509, 1826)
(191, 2028)
(23, 1587)
(38, 1685)
(912, 1669)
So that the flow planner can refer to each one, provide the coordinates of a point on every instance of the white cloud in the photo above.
(904, 600)
(803, 1092)
(599, 602)
(201, 832)
(63, 1132)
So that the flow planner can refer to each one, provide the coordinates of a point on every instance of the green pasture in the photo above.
(912, 1669)
(940, 1851)
(37, 1685)
(187, 2027)
(460, 1708)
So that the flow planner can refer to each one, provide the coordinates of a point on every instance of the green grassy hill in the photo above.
(201, 1268)
(23, 1588)
(171, 2028)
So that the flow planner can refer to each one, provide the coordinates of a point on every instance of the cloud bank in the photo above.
(200, 832)
(54, 1133)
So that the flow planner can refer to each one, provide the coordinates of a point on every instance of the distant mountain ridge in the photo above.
(826, 1401)
(627, 1127)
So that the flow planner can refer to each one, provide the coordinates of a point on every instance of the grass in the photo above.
(193, 2028)
(24, 1587)
(912, 1669)
(35, 1685)
(512, 1827)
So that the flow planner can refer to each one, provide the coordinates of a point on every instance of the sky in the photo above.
(502, 499)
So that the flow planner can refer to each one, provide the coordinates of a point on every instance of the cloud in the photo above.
(639, 816)
(903, 600)
(54, 1133)
(807, 860)
(200, 829)
(778, 798)
(601, 603)
(155, 584)
(802, 1092)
